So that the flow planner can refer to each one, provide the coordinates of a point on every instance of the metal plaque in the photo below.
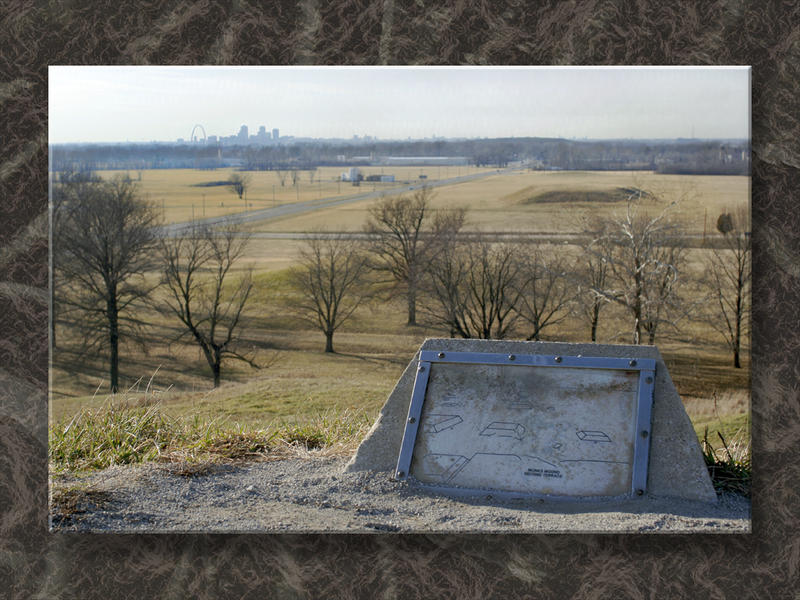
(569, 426)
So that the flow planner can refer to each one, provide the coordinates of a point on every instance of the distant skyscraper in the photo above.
(242, 137)
(275, 134)
(262, 135)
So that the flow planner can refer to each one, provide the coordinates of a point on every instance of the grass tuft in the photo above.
(114, 434)
(343, 428)
(729, 464)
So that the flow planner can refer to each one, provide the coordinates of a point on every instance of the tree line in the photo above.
(107, 246)
(669, 156)
(472, 285)
(107, 243)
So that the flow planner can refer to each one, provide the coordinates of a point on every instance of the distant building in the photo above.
(275, 135)
(353, 174)
(381, 178)
(242, 137)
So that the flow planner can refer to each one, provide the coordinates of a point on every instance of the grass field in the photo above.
(503, 202)
(299, 381)
(181, 197)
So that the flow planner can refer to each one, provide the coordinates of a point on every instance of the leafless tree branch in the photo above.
(330, 280)
(103, 239)
(197, 274)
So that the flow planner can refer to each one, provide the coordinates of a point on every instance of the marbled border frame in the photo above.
(35, 563)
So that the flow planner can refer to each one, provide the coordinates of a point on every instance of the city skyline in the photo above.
(141, 104)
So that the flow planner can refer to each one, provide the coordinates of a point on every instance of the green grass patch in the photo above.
(729, 426)
(722, 425)
(121, 433)
(725, 441)
(278, 280)
(326, 430)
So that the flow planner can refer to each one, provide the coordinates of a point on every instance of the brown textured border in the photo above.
(34, 563)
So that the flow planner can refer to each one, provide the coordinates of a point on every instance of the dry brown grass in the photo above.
(500, 202)
(177, 193)
(375, 346)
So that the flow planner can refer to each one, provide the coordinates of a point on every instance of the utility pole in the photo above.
(705, 219)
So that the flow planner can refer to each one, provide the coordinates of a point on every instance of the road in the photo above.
(296, 208)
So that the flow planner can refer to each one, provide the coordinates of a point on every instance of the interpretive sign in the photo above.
(535, 424)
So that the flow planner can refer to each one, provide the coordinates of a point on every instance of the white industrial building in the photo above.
(351, 174)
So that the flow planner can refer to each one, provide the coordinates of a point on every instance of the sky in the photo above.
(154, 103)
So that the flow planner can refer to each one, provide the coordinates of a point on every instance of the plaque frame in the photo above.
(646, 368)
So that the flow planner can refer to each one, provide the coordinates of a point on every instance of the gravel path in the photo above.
(315, 495)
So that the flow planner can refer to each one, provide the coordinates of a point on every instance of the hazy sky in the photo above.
(115, 104)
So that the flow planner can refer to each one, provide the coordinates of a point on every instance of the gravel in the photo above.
(316, 495)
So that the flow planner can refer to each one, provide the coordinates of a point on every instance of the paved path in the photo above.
(295, 208)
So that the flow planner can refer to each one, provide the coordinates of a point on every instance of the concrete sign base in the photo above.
(538, 418)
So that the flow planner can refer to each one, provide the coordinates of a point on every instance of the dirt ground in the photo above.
(314, 494)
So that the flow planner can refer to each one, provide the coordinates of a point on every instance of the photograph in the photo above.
(399, 299)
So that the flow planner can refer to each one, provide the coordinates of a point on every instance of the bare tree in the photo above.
(492, 288)
(592, 276)
(239, 184)
(69, 187)
(545, 292)
(644, 256)
(665, 306)
(400, 246)
(730, 281)
(103, 245)
(473, 288)
(592, 270)
(330, 280)
(281, 176)
(445, 281)
(295, 174)
(197, 271)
